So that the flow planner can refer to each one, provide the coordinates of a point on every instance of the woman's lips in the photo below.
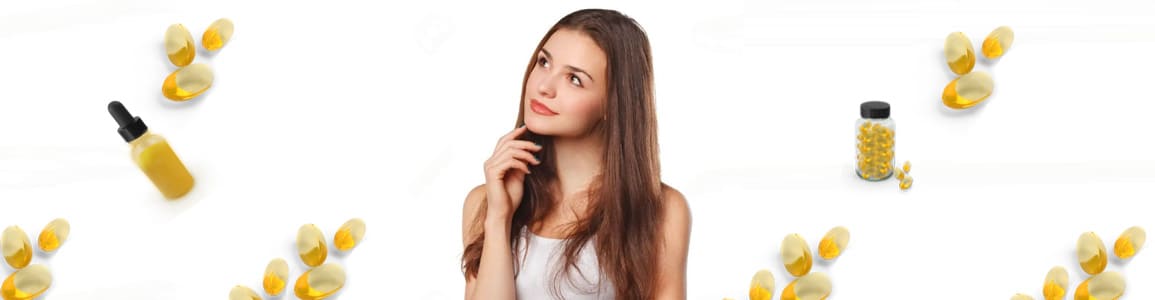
(541, 109)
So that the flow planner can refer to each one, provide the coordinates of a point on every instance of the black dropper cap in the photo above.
(131, 127)
(874, 110)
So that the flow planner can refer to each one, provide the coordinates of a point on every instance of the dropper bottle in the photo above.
(152, 154)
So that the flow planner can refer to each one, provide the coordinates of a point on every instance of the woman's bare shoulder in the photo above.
(677, 209)
(474, 202)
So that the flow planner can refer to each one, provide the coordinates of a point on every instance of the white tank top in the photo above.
(539, 259)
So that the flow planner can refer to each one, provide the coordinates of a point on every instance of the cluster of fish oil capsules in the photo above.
(798, 261)
(29, 281)
(971, 88)
(875, 141)
(192, 80)
(903, 176)
(322, 279)
(1092, 256)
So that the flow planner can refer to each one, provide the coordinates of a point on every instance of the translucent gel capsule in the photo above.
(1022, 297)
(796, 255)
(960, 54)
(276, 277)
(998, 42)
(1130, 242)
(762, 285)
(1092, 253)
(16, 248)
(833, 243)
(906, 182)
(53, 235)
(320, 282)
(27, 283)
(188, 82)
(217, 35)
(1056, 283)
(968, 90)
(311, 245)
(900, 175)
(241, 292)
(1106, 286)
(906, 167)
(349, 235)
(813, 286)
(178, 43)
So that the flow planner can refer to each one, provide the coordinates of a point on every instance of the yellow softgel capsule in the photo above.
(1022, 297)
(813, 286)
(906, 182)
(320, 282)
(968, 90)
(349, 234)
(900, 175)
(188, 82)
(16, 247)
(998, 42)
(906, 167)
(833, 243)
(53, 235)
(1092, 253)
(960, 54)
(762, 285)
(276, 277)
(178, 43)
(796, 255)
(27, 283)
(311, 245)
(1106, 286)
(217, 34)
(241, 292)
(1056, 283)
(1130, 242)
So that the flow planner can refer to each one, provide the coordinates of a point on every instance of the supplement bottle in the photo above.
(875, 132)
(152, 154)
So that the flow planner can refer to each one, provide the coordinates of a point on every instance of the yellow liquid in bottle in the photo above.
(157, 160)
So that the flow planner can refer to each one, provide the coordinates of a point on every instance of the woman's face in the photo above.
(565, 94)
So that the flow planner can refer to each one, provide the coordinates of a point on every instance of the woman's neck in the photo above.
(579, 162)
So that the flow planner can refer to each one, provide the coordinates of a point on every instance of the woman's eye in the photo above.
(575, 80)
(542, 62)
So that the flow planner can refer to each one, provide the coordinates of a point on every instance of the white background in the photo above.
(326, 111)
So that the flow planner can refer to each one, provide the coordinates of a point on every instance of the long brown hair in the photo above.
(625, 210)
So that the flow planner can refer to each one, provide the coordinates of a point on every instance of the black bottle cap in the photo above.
(131, 127)
(875, 110)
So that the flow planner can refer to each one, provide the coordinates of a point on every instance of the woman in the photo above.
(573, 206)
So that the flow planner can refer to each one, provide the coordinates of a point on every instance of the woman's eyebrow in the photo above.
(574, 69)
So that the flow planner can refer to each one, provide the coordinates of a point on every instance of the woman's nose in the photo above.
(546, 86)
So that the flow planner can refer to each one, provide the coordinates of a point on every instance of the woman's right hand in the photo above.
(505, 173)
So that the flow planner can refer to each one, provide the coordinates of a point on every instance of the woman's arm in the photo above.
(676, 242)
(494, 278)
